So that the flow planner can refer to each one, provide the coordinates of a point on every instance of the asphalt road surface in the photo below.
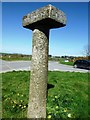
(6, 66)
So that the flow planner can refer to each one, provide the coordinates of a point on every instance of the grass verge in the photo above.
(66, 63)
(67, 99)
(16, 59)
(62, 61)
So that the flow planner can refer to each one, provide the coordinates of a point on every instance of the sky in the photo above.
(69, 40)
(45, 0)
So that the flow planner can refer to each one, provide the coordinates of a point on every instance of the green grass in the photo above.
(62, 61)
(16, 58)
(67, 99)
(67, 63)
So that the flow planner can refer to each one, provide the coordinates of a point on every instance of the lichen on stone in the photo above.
(43, 15)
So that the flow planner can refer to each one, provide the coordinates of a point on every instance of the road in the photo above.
(6, 66)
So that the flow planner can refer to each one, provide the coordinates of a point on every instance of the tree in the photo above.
(86, 50)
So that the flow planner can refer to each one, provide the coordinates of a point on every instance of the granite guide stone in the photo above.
(38, 82)
(46, 16)
(40, 22)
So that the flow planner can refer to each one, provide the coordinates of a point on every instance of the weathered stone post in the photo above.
(40, 22)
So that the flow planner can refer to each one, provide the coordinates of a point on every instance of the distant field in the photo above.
(62, 61)
(15, 59)
(68, 98)
(67, 63)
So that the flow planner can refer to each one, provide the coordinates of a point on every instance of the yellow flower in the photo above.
(22, 95)
(69, 115)
(24, 106)
(56, 107)
(56, 96)
(20, 105)
(18, 94)
(14, 101)
(13, 106)
(65, 110)
(49, 116)
(21, 100)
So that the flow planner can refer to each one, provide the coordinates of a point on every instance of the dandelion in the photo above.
(18, 94)
(21, 100)
(14, 101)
(69, 115)
(20, 105)
(24, 106)
(13, 106)
(49, 116)
(22, 95)
(56, 107)
(65, 110)
(56, 96)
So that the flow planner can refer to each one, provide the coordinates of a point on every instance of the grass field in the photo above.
(67, 99)
(62, 61)
(15, 59)
(67, 63)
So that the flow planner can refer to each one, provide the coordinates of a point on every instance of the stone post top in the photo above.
(48, 16)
